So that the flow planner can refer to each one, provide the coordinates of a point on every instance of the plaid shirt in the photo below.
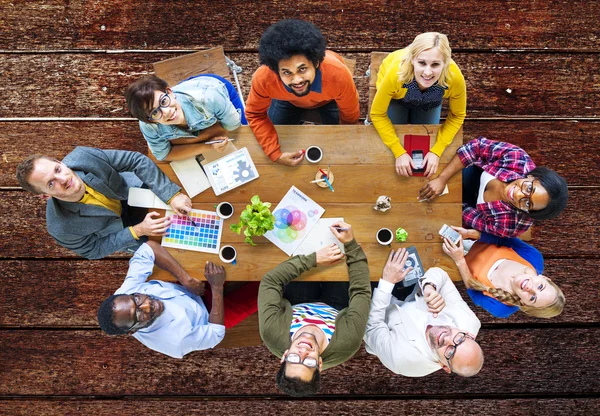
(507, 163)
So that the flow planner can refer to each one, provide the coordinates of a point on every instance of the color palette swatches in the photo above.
(205, 236)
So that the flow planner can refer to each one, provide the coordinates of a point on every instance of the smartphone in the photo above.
(417, 157)
(450, 234)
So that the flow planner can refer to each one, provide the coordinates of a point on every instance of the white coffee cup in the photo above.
(227, 207)
(382, 237)
(226, 256)
(314, 150)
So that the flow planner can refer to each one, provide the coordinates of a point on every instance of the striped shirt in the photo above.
(318, 314)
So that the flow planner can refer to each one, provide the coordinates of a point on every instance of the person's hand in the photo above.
(291, 159)
(220, 147)
(181, 204)
(152, 226)
(404, 165)
(467, 234)
(329, 255)
(435, 302)
(431, 162)
(432, 189)
(454, 251)
(215, 275)
(394, 270)
(342, 231)
(197, 287)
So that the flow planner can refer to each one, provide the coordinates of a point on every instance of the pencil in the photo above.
(217, 141)
(328, 184)
(341, 229)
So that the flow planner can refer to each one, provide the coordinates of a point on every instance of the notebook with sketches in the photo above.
(144, 198)
(230, 171)
(320, 236)
(190, 174)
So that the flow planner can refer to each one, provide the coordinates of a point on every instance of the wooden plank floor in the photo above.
(532, 77)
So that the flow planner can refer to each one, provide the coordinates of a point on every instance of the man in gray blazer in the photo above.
(87, 194)
(433, 329)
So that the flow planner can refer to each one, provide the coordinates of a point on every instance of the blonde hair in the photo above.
(548, 311)
(423, 42)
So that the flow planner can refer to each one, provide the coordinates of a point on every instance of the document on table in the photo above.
(320, 236)
(191, 175)
(144, 198)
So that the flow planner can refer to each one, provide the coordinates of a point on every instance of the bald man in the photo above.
(432, 329)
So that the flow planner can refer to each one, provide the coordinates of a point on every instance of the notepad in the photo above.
(144, 198)
(191, 175)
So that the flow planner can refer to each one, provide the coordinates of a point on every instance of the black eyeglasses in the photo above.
(451, 350)
(164, 101)
(139, 314)
(527, 188)
(307, 362)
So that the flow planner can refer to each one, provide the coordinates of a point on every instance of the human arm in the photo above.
(347, 98)
(436, 186)
(181, 204)
(502, 224)
(491, 305)
(290, 158)
(457, 111)
(164, 260)
(215, 276)
(456, 253)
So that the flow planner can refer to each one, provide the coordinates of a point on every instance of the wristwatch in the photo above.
(430, 284)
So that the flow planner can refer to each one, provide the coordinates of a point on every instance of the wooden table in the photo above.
(364, 169)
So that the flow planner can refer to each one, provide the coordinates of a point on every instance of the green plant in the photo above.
(257, 219)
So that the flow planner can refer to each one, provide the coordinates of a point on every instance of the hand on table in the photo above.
(454, 251)
(431, 163)
(339, 231)
(435, 302)
(215, 275)
(432, 189)
(220, 147)
(152, 226)
(404, 165)
(291, 159)
(467, 234)
(394, 270)
(329, 255)
(181, 204)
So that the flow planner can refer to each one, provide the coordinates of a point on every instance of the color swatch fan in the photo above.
(204, 236)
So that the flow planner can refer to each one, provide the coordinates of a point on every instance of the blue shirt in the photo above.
(183, 326)
(527, 253)
(204, 101)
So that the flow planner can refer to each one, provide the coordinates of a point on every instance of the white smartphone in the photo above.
(449, 233)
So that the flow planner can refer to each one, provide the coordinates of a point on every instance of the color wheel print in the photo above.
(289, 223)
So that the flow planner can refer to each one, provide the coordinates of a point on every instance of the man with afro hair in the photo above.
(297, 74)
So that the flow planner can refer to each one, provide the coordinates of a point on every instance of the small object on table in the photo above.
(383, 203)
(321, 176)
(401, 235)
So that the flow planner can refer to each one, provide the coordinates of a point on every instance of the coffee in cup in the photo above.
(227, 254)
(224, 210)
(314, 154)
(384, 236)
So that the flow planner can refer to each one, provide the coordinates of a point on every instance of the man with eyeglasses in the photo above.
(87, 192)
(313, 326)
(175, 121)
(172, 318)
(432, 329)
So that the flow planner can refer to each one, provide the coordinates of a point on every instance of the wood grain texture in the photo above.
(41, 362)
(236, 24)
(569, 147)
(498, 84)
(344, 407)
(68, 293)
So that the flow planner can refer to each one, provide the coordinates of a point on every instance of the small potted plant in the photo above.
(257, 218)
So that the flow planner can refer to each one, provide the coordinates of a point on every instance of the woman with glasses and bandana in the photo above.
(411, 85)
(193, 111)
(503, 190)
(503, 275)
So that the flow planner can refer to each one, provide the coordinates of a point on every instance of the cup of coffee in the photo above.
(314, 154)
(224, 210)
(227, 254)
(385, 237)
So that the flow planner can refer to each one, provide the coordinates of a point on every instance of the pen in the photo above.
(328, 169)
(192, 221)
(217, 141)
(328, 184)
(317, 180)
(341, 229)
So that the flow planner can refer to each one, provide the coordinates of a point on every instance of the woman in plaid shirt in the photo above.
(503, 190)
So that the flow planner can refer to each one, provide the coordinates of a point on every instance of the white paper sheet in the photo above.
(191, 176)
(144, 198)
(320, 236)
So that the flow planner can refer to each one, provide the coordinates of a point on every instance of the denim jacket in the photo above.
(204, 101)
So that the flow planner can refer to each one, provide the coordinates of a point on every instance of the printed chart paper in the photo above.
(295, 216)
(231, 171)
(320, 236)
(205, 236)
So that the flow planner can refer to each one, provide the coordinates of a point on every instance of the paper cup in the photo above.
(228, 254)
(225, 210)
(314, 154)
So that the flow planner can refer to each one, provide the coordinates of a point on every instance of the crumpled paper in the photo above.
(401, 235)
(383, 203)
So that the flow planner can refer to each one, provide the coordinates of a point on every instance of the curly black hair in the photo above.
(287, 38)
(556, 186)
(105, 317)
(296, 387)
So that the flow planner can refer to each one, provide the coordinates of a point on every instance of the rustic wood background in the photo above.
(533, 75)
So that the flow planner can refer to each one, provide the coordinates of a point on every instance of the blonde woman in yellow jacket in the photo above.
(411, 84)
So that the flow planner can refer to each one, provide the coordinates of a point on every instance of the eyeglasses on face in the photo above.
(307, 362)
(164, 101)
(139, 314)
(527, 188)
(451, 350)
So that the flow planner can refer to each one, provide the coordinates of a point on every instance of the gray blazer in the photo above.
(92, 231)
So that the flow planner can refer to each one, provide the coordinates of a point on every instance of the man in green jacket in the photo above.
(327, 321)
